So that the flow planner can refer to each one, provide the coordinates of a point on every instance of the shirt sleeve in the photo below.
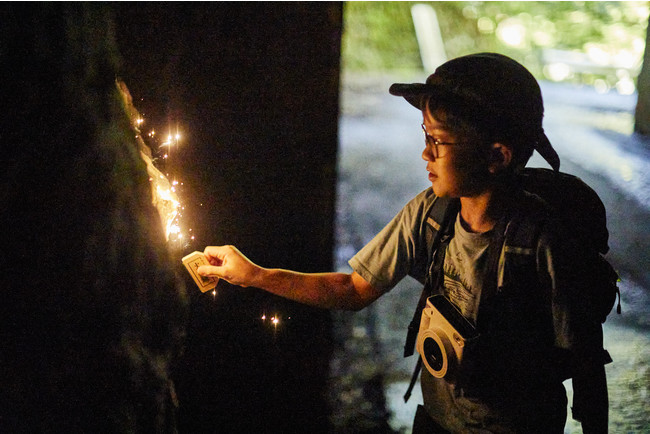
(399, 249)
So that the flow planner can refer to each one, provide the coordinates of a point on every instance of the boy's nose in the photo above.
(426, 154)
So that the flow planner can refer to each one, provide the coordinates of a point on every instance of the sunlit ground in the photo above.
(628, 380)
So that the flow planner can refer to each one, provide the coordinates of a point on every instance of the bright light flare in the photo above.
(166, 201)
(512, 32)
(163, 192)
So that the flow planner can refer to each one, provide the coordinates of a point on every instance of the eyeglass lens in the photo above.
(431, 143)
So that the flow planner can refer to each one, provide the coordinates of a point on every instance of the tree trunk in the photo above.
(642, 114)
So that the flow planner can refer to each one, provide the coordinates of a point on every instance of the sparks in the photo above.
(164, 189)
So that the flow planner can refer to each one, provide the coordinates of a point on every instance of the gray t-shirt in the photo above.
(465, 266)
(400, 249)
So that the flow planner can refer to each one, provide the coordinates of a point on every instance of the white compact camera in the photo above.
(444, 331)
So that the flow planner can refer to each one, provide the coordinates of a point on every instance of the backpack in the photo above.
(575, 206)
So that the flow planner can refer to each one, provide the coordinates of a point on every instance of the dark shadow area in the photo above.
(92, 313)
(255, 86)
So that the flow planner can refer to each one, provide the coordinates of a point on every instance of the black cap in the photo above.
(502, 90)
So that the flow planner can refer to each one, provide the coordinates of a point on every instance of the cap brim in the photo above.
(413, 93)
(417, 93)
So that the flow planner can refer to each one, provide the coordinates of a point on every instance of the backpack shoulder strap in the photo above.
(437, 225)
(519, 250)
(436, 221)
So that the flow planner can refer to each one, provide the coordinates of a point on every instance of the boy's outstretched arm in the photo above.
(324, 290)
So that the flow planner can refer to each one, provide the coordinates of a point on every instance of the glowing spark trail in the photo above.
(164, 195)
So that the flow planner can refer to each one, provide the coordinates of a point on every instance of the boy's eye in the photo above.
(432, 141)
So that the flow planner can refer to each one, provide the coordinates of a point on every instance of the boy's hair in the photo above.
(467, 129)
(494, 94)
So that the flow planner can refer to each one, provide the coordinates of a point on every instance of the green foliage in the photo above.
(378, 36)
(381, 35)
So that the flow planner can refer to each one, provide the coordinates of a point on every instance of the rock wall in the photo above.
(92, 311)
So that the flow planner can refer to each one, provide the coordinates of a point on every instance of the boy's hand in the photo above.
(228, 263)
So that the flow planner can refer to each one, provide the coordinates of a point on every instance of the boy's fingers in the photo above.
(218, 252)
(208, 270)
(211, 252)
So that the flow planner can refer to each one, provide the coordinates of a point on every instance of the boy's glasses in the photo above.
(434, 144)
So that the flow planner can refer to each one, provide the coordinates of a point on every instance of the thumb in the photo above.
(209, 271)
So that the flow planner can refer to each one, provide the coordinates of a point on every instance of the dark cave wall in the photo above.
(92, 313)
(255, 87)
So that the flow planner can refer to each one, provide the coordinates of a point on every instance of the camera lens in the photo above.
(433, 354)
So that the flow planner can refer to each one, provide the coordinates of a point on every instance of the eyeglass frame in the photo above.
(433, 143)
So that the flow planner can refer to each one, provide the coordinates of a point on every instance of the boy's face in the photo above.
(451, 173)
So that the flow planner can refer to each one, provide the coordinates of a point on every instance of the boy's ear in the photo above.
(501, 157)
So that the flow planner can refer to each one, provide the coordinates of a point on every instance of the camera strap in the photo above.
(432, 286)
(440, 222)
(445, 212)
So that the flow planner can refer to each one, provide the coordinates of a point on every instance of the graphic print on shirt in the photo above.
(460, 291)
(465, 266)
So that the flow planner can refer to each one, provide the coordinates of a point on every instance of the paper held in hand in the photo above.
(192, 262)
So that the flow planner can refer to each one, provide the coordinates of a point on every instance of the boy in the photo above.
(482, 119)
